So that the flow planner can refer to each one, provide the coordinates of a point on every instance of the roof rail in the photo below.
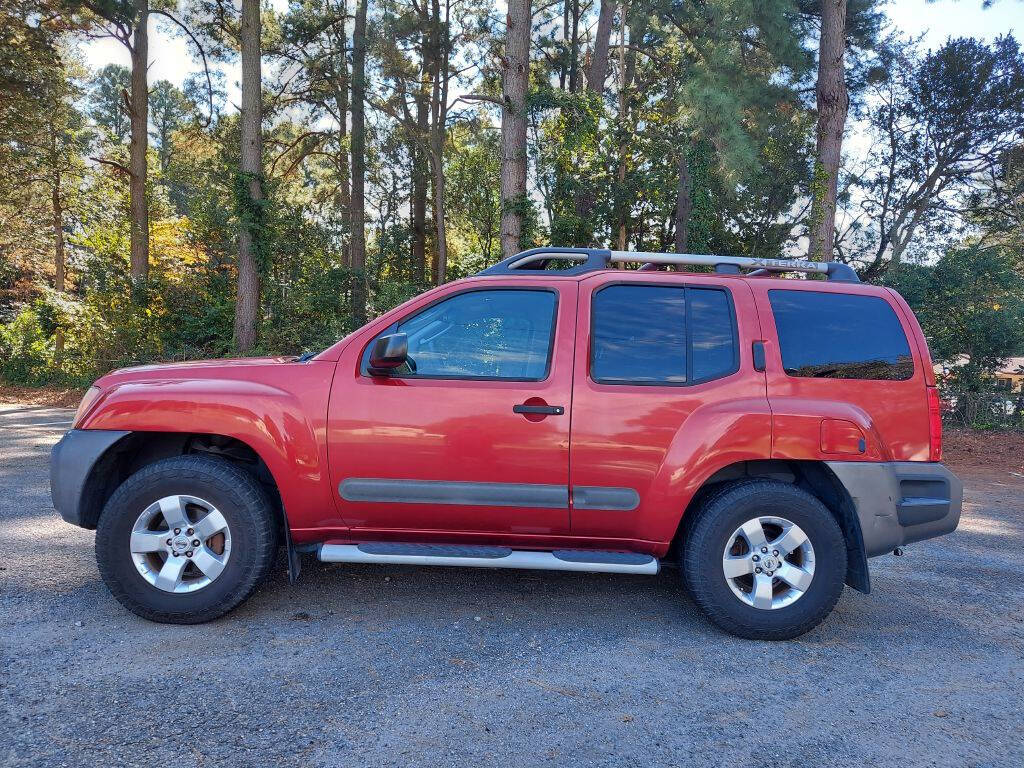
(536, 260)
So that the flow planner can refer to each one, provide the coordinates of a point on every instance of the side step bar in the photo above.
(400, 553)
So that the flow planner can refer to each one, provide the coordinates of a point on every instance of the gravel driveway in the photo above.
(367, 666)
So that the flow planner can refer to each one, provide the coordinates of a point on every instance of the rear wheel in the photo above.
(186, 539)
(765, 560)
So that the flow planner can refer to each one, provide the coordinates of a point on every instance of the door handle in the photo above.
(547, 410)
(758, 351)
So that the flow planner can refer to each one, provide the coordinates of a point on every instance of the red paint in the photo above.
(322, 421)
(663, 441)
(892, 414)
(934, 425)
(434, 429)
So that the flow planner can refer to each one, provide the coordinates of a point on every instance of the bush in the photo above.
(26, 352)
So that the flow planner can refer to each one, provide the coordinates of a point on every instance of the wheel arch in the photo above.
(814, 477)
(140, 449)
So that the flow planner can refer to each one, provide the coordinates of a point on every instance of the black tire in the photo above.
(707, 536)
(242, 502)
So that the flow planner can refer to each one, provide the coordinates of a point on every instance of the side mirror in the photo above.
(389, 352)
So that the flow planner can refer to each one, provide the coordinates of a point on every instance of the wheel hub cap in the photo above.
(768, 562)
(180, 543)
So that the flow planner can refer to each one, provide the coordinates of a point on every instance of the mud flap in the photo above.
(294, 563)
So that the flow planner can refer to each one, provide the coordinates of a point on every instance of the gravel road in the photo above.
(368, 666)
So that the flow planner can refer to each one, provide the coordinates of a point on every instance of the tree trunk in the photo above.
(627, 69)
(598, 71)
(684, 203)
(833, 103)
(138, 109)
(515, 78)
(421, 168)
(596, 75)
(436, 159)
(420, 174)
(359, 164)
(438, 132)
(563, 63)
(250, 236)
(341, 100)
(574, 44)
(58, 238)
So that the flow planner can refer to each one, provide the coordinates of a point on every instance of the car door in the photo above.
(665, 392)
(472, 436)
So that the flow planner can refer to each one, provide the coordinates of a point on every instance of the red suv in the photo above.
(553, 412)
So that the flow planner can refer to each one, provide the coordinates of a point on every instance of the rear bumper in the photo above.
(71, 462)
(900, 502)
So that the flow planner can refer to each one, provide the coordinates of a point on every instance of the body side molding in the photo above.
(398, 491)
(371, 489)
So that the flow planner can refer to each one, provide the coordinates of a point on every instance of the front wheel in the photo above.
(186, 539)
(765, 560)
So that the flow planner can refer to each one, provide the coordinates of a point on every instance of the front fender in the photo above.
(284, 426)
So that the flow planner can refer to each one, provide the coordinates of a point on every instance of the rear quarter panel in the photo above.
(892, 415)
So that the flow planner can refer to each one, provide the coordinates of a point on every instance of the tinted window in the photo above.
(643, 334)
(503, 334)
(712, 335)
(840, 336)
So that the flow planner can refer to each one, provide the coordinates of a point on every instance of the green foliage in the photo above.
(472, 169)
(170, 110)
(943, 124)
(26, 352)
(107, 101)
(970, 304)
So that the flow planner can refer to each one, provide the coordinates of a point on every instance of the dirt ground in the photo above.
(52, 397)
(984, 454)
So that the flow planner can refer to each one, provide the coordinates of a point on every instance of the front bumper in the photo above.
(900, 502)
(71, 464)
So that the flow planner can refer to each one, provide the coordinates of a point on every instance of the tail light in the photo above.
(934, 425)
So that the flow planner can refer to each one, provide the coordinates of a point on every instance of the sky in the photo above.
(170, 58)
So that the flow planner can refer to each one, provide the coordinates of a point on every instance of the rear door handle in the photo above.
(758, 350)
(548, 410)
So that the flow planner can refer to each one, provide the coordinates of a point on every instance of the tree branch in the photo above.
(202, 53)
(113, 164)
(471, 97)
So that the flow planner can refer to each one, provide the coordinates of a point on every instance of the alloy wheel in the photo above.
(768, 562)
(180, 543)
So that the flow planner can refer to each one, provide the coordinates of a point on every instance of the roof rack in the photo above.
(583, 260)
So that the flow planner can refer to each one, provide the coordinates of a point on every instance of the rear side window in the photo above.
(649, 334)
(840, 336)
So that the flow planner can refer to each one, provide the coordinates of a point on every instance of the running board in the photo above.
(472, 556)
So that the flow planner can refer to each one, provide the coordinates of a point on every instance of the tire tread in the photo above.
(232, 479)
(700, 538)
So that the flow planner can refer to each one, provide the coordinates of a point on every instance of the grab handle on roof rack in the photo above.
(594, 259)
(842, 273)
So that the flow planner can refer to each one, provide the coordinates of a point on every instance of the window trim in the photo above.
(690, 381)
(364, 357)
(892, 309)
